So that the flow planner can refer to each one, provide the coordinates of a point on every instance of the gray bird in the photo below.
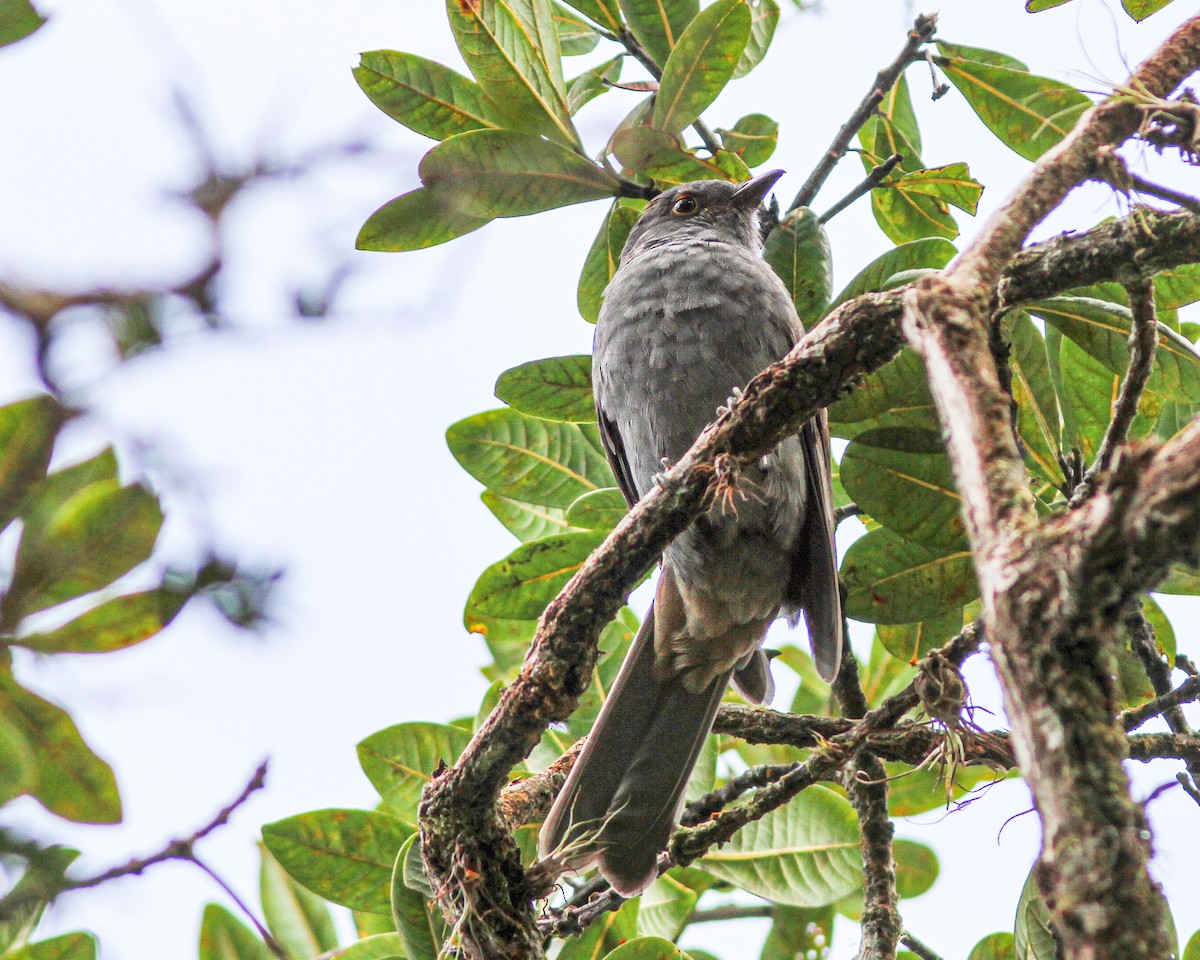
(691, 315)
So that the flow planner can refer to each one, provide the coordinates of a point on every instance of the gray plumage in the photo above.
(691, 315)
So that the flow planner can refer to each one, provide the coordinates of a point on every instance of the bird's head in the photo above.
(704, 210)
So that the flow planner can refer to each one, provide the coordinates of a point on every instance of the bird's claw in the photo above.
(730, 402)
(659, 478)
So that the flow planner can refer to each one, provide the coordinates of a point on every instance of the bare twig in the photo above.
(1142, 185)
(917, 947)
(846, 512)
(1186, 692)
(872, 180)
(733, 911)
(920, 34)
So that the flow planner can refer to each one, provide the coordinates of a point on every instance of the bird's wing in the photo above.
(614, 449)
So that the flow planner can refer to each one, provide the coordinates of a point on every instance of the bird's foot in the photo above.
(730, 402)
(659, 478)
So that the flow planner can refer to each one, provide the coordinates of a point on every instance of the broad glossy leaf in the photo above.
(901, 215)
(1038, 420)
(605, 935)
(666, 907)
(112, 625)
(951, 183)
(345, 856)
(604, 257)
(520, 585)
(27, 432)
(1141, 9)
(415, 220)
(1029, 114)
(94, 537)
(68, 946)
(507, 641)
(930, 252)
(419, 922)
(1089, 391)
(997, 946)
(701, 63)
(753, 138)
(599, 510)
(47, 872)
(591, 83)
(798, 251)
(380, 946)
(529, 459)
(604, 12)
(512, 48)
(575, 34)
(425, 96)
(912, 641)
(804, 854)
(912, 791)
(18, 765)
(372, 924)
(70, 780)
(647, 948)
(503, 173)
(892, 580)
(896, 395)
(525, 521)
(1036, 6)
(901, 477)
(401, 759)
(1181, 581)
(897, 107)
(224, 937)
(1033, 938)
(557, 388)
(1102, 329)
(1192, 950)
(48, 496)
(659, 24)
(764, 19)
(884, 675)
(297, 918)
(917, 868)
(1177, 287)
(661, 155)
(1164, 633)
(18, 19)
(796, 932)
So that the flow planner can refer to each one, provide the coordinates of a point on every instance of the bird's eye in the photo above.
(684, 205)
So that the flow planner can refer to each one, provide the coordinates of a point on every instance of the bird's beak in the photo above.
(751, 193)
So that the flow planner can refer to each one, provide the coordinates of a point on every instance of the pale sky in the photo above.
(320, 447)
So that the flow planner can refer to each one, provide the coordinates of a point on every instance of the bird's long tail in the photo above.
(622, 798)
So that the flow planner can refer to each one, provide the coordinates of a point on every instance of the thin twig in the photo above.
(271, 943)
(917, 947)
(1142, 185)
(733, 911)
(846, 512)
(1143, 341)
(1186, 692)
(920, 34)
(869, 183)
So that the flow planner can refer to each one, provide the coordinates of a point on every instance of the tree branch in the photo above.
(869, 183)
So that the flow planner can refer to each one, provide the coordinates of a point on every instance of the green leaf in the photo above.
(1029, 114)
(47, 871)
(415, 220)
(1177, 287)
(913, 791)
(1102, 329)
(764, 20)
(1033, 938)
(661, 155)
(18, 765)
(71, 781)
(603, 936)
(401, 759)
(27, 432)
(995, 946)
(503, 173)
(68, 946)
(18, 19)
(804, 854)
(604, 12)
(380, 946)
(901, 477)
(526, 521)
(97, 535)
(798, 251)
(507, 642)
(299, 920)
(898, 109)
(373, 924)
(425, 96)
(912, 641)
(345, 856)
(575, 35)
(591, 83)
(557, 388)
(520, 585)
(224, 937)
(659, 24)
(1164, 633)
(1141, 9)
(418, 921)
(1181, 581)
(929, 252)
(1192, 950)
(896, 395)
(796, 932)
(916, 868)
(529, 459)
(599, 510)
(604, 257)
(753, 138)
(112, 625)
(1089, 391)
(1038, 420)
(951, 183)
(666, 907)
(701, 63)
(892, 580)
(647, 948)
(512, 48)
(1036, 6)
(903, 216)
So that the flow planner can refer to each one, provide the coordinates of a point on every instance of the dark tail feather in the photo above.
(622, 798)
(818, 589)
